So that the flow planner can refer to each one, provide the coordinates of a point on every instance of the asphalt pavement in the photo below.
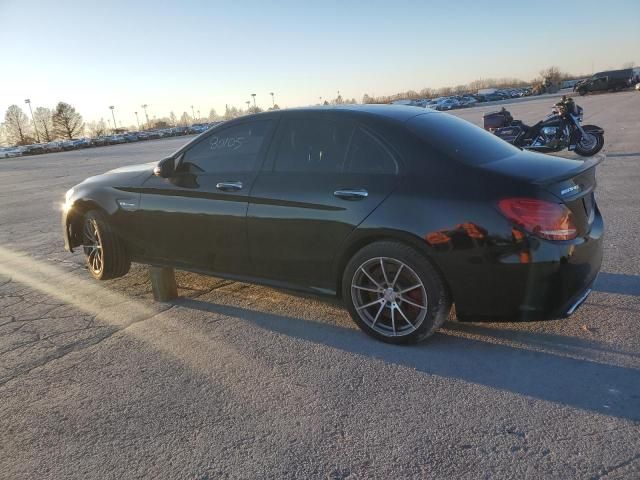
(241, 381)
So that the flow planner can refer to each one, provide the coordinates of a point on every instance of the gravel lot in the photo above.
(239, 381)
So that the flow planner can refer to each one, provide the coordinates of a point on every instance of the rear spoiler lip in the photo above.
(586, 165)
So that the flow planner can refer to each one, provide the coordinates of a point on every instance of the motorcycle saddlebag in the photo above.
(493, 120)
(508, 134)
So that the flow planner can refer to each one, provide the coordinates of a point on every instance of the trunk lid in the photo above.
(573, 182)
(576, 191)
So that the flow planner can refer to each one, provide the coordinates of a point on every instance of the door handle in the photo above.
(229, 186)
(351, 193)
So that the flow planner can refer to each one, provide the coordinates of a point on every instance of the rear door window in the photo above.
(312, 145)
(367, 154)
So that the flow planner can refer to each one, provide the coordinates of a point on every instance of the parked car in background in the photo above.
(82, 142)
(493, 97)
(10, 152)
(54, 146)
(115, 139)
(571, 83)
(198, 128)
(68, 144)
(152, 134)
(180, 130)
(33, 149)
(604, 81)
(445, 104)
(99, 141)
(165, 132)
(131, 137)
(466, 101)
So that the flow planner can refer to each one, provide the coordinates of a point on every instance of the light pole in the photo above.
(320, 98)
(248, 102)
(28, 102)
(198, 115)
(273, 101)
(145, 113)
(137, 121)
(193, 115)
(254, 100)
(111, 107)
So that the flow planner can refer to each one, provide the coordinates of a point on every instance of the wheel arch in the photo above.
(74, 219)
(362, 240)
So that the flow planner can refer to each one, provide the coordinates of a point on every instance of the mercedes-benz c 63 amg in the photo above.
(399, 211)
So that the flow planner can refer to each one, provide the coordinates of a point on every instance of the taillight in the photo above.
(552, 221)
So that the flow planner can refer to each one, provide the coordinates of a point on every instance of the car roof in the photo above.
(399, 113)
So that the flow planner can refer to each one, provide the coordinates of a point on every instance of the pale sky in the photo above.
(173, 54)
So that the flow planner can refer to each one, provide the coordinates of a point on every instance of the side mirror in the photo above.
(165, 168)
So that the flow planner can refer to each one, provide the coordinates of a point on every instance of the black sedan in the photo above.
(398, 211)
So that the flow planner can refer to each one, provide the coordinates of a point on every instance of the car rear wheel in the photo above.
(394, 294)
(104, 251)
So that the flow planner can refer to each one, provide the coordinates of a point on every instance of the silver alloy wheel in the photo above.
(389, 296)
(588, 141)
(92, 246)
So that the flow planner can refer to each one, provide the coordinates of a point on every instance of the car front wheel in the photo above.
(104, 251)
(394, 294)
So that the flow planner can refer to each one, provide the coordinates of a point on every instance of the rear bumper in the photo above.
(550, 282)
(575, 303)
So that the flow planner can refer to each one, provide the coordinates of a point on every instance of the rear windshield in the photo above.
(459, 139)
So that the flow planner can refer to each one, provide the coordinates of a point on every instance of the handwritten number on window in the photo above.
(229, 143)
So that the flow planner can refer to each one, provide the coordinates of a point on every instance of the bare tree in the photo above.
(213, 115)
(185, 119)
(173, 119)
(629, 65)
(43, 118)
(17, 126)
(97, 129)
(552, 74)
(427, 93)
(3, 137)
(231, 112)
(66, 121)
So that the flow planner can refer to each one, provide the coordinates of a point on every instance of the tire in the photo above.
(420, 310)
(590, 151)
(99, 239)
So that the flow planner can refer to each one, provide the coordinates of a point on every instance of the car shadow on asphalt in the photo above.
(633, 154)
(588, 385)
(560, 344)
(619, 283)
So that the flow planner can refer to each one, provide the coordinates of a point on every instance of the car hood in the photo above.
(140, 167)
(132, 175)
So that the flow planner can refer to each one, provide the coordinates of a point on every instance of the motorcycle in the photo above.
(561, 129)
